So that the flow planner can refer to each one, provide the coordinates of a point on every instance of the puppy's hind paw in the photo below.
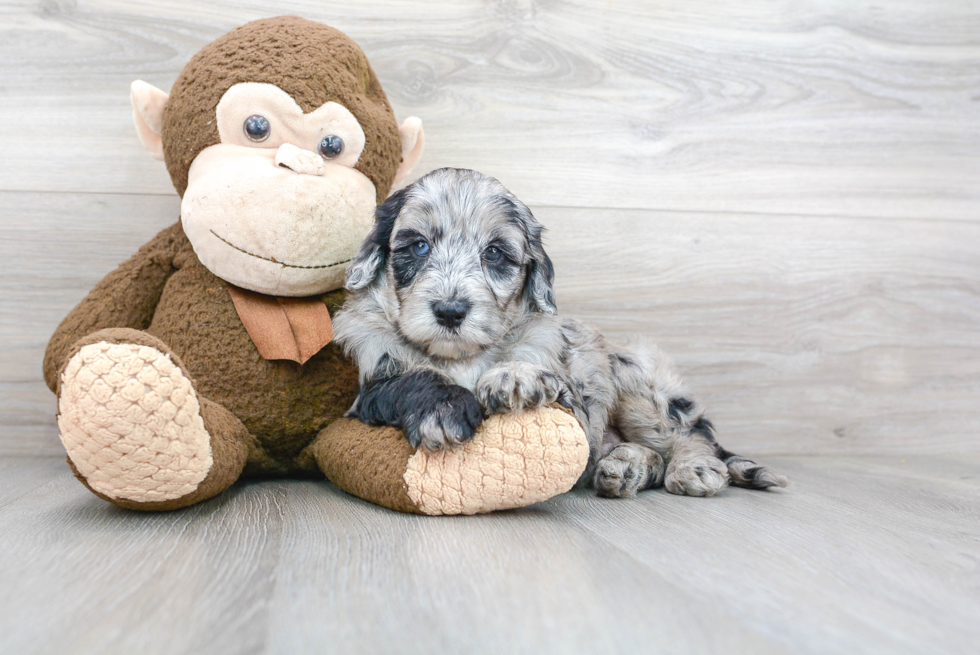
(696, 476)
(627, 469)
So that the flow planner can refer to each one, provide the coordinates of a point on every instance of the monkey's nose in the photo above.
(305, 162)
(450, 313)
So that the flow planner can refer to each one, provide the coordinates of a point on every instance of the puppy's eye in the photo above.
(331, 146)
(257, 128)
(420, 248)
(492, 254)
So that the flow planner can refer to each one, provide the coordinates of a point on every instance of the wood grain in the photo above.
(855, 547)
(22, 475)
(513, 582)
(55, 247)
(803, 334)
(783, 195)
(119, 581)
(834, 108)
(859, 555)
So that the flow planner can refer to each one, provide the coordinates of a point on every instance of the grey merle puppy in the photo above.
(452, 317)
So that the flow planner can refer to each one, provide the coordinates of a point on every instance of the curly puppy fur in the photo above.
(452, 316)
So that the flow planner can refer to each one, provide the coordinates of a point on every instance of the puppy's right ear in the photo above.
(539, 292)
(373, 255)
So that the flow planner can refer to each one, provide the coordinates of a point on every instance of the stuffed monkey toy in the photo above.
(208, 355)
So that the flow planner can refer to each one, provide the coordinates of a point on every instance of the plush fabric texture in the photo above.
(229, 452)
(166, 400)
(289, 52)
(514, 460)
(265, 228)
(283, 328)
(229, 441)
(165, 291)
(148, 103)
(131, 423)
(292, 128)
(126, 297)
(366, 462)
(263, 415)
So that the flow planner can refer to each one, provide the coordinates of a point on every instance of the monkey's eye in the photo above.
(331, 146)
(420, 248)
(257, 128)
(492, 254)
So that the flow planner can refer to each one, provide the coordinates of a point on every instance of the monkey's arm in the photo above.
(126, 297)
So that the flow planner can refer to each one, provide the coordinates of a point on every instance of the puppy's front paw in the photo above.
(515, 386)
(696, 476)
(451, 419)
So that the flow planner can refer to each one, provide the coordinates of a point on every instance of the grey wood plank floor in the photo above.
(860, 555)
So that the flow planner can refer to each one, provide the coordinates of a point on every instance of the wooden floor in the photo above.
(860, 555)
(785, 196)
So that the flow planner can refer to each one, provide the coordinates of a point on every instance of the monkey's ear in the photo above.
(371, 258)
(413, 142)
(148, 103)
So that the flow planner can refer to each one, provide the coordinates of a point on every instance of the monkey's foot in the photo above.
(513, 460)
(131, 423)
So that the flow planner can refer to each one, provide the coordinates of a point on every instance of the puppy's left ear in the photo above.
(538, 290)
(371, 258)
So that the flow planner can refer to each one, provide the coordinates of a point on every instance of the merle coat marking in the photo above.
(452, 316)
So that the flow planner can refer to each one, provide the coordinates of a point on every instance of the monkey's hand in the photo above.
(516, 386)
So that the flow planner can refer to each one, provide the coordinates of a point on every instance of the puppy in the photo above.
(451, 316)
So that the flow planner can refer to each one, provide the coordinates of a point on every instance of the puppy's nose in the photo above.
(450, 313)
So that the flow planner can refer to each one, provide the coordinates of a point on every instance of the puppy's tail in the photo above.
(746, 473)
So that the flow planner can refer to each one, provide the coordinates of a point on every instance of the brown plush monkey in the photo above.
(208, 355)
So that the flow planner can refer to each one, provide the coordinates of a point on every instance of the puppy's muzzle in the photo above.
(450, 313)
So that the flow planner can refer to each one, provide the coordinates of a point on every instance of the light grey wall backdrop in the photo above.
(788, 204)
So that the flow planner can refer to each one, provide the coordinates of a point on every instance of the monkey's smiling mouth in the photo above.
(273, 259)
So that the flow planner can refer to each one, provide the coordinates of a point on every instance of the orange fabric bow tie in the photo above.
(284, 328)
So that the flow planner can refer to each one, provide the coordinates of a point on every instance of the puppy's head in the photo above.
(456, 260)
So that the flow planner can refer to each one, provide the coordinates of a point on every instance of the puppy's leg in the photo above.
(515, 386)
(655, 410)
(431, 410)
(741, 472)
(746, 473)
(693, 468)
(627, 469)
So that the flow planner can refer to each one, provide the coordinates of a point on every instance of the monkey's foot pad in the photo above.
(131, 423)
(513, 461)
